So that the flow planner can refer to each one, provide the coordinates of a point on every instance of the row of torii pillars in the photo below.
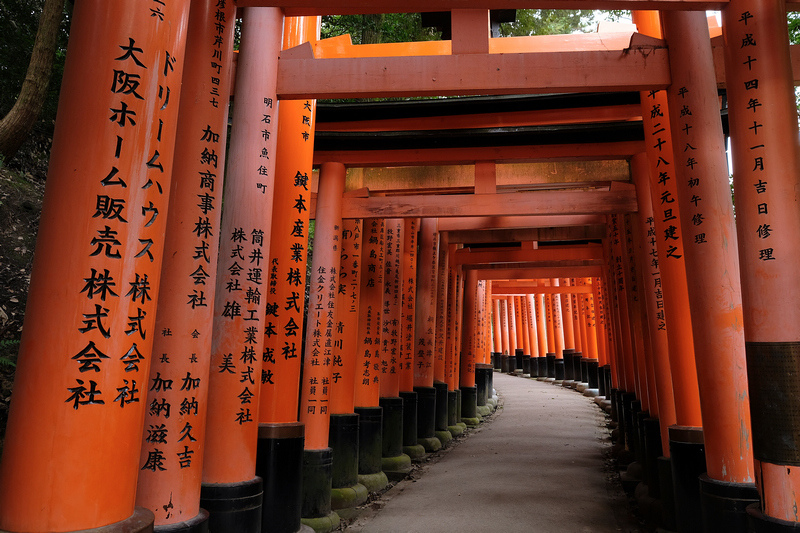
(120, 412)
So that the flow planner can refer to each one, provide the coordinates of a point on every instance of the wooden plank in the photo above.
(467, 256)
(571, 233)
(634, 69)
(500, 154)
(519, 222)
(507, 289)
(297, 8)
(541, 272)
(520, 203)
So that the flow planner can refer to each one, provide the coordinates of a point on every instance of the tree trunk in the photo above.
(371, 29)
(18, 123)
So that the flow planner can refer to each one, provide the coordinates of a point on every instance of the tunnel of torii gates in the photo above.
(574, 223)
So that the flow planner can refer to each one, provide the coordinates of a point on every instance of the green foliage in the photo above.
(19, 20)
(793, 22)
(8, 352)
(385, 28)
(547, 22)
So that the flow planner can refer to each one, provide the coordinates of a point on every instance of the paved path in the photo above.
(538, 466)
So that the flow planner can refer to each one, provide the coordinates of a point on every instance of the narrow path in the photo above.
(539, 466)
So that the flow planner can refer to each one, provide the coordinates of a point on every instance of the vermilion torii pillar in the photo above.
(454, 305)
(409, 340)
(85, 357)
(229, 480)
(318, 350)
(347, 492)
(283, 290)
(569, 334)
(440, 342)
(530, 308)
(469, 393)
(393, 459)
(182, 331)
(425, 328)
(368, 365)
(541, 327)
(670, 242)
(766, 160)
(712, 263)
(654, 300)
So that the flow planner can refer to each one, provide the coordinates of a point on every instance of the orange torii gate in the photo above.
(755, 324)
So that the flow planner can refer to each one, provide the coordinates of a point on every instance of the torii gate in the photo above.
(98, 353)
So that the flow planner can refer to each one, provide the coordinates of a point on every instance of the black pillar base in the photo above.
(441, 402)
(761, 523)
(392, 440)
(141, 521)
(511, 364)
(343, 440)
(550, 360)
(426, 412)
(534, 367)
(576, 367)
(526, 365)
(482, 373)
(458, 406)
(652, 451)
(317, 483)
(497, 360)
(469, 402)
(519, 356)
(370, 439)
(504, 363)
(198, 524)
(585, 370)
(569, 369)
(559, 369)
(542, 367)
(667, 494)
(687, 454)
(279, 462)
(452, 408)
(725, 504)
(591, 367)
(409, 418)
(233, 506)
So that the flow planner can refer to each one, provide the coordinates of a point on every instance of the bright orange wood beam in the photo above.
(517, 287)
(465, 256)
(510, 222)
(571, 233)
(634, 69)
(522, 203)
(296, 8)
(501, 154)
(539, 272)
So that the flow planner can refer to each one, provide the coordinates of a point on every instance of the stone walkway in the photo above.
(538, 466)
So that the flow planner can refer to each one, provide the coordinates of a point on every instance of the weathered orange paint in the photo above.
(408, 338)
(70, 378)
(526, 326)
(504, 329)
(566, 316)
(342, 392)
(368, 358)
(712, 263)
(285, 268)
(534, 329)
(541, 324)
(467, 370)
(551, 335)
(558, 321)
(325, 262)
(173, 494)
(232, 425)
(453, 322)
(496, 327)
(512, 325)
(519, 329)
(425, 318)
(654, 300)
(392, 309)
(769, 288)
(440, 344)
(655, 117)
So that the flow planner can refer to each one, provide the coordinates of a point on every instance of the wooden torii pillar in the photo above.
(85, 356)
(766, 160)
(187, 280)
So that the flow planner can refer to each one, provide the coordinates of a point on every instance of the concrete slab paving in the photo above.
(539, 465)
